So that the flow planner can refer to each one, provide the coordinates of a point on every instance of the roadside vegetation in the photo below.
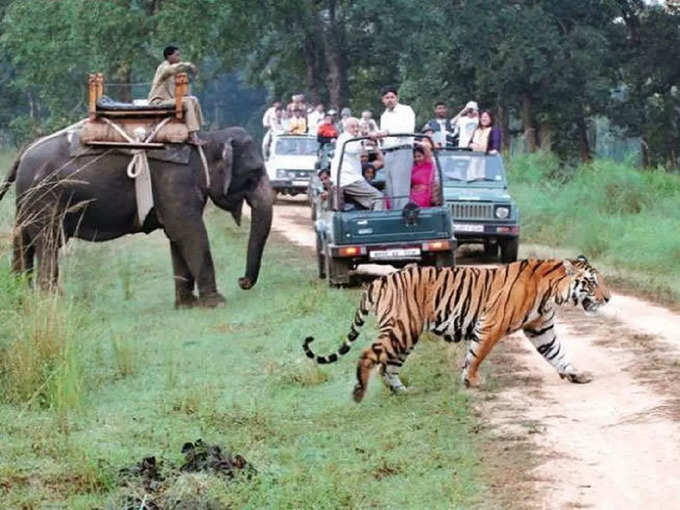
(611, 212)
(96, 380)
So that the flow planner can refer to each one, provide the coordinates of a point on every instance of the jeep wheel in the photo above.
(509, 248)
(321, 259)
(444, 259)
(490, 249)
(337, 270)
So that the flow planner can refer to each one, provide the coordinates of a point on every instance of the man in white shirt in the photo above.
(351, 179)
(465, 123)
(315, 117)
(269, 115)
(397, 118)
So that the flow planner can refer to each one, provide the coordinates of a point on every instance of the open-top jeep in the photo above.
(476, 192)
(348, 235)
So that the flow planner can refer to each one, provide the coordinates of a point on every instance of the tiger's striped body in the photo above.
(477, 304)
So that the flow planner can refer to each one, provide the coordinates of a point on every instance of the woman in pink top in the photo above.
(422, 176)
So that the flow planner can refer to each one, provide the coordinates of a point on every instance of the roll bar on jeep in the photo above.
(337, 190)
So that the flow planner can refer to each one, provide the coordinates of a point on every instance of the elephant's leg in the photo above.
(23, 254)
(192, 241)
(184, 280)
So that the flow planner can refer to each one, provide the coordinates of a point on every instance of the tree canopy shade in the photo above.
(547, 68)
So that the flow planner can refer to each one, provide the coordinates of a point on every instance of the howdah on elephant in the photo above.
(90, 197)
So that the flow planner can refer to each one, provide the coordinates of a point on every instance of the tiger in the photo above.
(478, 304)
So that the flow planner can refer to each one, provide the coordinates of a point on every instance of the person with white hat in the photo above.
(465, 123)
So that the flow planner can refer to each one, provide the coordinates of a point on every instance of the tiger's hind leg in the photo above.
(386, 353)
(370, 357)
(541, 333)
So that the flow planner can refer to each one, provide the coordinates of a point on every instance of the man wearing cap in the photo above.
(397, 118)
(465, 123)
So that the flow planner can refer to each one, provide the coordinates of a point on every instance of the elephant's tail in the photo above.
(10, 177)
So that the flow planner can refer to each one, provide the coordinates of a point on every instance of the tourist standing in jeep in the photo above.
(397, 118)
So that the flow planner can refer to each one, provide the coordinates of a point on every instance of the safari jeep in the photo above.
(476, 192)
(290, 161)
(348, 235)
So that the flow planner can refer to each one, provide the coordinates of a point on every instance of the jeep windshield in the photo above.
(296, 147)
(462, 167)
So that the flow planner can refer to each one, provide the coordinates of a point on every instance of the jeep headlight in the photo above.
(502, 212)
(281, 174)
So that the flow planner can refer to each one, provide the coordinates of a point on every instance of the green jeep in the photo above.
(348, 235)
(482, 210)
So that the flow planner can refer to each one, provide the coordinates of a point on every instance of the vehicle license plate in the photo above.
(466, 227)
(300, 183)
(396, 253)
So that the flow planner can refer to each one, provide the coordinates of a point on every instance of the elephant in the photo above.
(91, 197)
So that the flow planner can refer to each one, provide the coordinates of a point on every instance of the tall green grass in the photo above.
(625, 217)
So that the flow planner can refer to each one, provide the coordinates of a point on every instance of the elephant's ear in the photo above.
(222, 177)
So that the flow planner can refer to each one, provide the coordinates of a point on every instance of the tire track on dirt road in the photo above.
(610, 444)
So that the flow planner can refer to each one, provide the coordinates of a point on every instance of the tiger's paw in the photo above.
(358, 393)
(578, 378)
(470, 381)
(400, 390)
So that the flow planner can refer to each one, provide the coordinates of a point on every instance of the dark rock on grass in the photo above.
(205, 457)
(146, 487)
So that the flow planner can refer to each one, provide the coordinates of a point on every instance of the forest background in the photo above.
(575, 78)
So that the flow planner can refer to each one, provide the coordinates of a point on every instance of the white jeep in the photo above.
(290, 161)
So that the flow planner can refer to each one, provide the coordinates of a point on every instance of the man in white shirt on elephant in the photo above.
(397, 118)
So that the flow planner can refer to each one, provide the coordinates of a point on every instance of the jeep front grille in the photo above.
(467, 210)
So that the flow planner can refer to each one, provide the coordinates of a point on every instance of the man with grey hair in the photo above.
(350, 178)
(397, 118)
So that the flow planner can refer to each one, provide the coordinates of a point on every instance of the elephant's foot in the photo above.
(245, 283)
(183, 302)
(213, 300)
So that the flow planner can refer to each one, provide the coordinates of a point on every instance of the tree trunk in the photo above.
(584, 145)
(528, 123)
(646, 156)
(123, 76)
(312, 68)
(332, 31)
(545, 136)
(504, 124)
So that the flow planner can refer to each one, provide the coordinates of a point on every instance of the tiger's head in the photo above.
(587, 286)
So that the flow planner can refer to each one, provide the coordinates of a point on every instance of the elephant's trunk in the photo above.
(261, 202)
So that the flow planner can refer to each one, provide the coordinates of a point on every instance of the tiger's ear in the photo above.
(582, 258)
(568, 268)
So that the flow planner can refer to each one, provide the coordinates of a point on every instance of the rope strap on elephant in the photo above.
(138, 169)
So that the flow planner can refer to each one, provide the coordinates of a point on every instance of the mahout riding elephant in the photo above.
(91, 197)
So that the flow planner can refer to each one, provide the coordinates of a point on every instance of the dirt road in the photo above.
(610, 444)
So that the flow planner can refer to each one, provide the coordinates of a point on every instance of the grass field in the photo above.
(624, 218)
(109, 374)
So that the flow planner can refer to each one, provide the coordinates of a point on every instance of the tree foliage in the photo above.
(547, 68)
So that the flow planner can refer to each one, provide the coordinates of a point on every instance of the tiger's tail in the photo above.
(366, 305)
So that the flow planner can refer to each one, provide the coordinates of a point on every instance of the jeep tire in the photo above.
(509, 249)
(321, 259)
(337, 270)
(444, 259)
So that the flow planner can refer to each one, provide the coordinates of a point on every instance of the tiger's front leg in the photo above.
(478, 349)
(541, 333)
